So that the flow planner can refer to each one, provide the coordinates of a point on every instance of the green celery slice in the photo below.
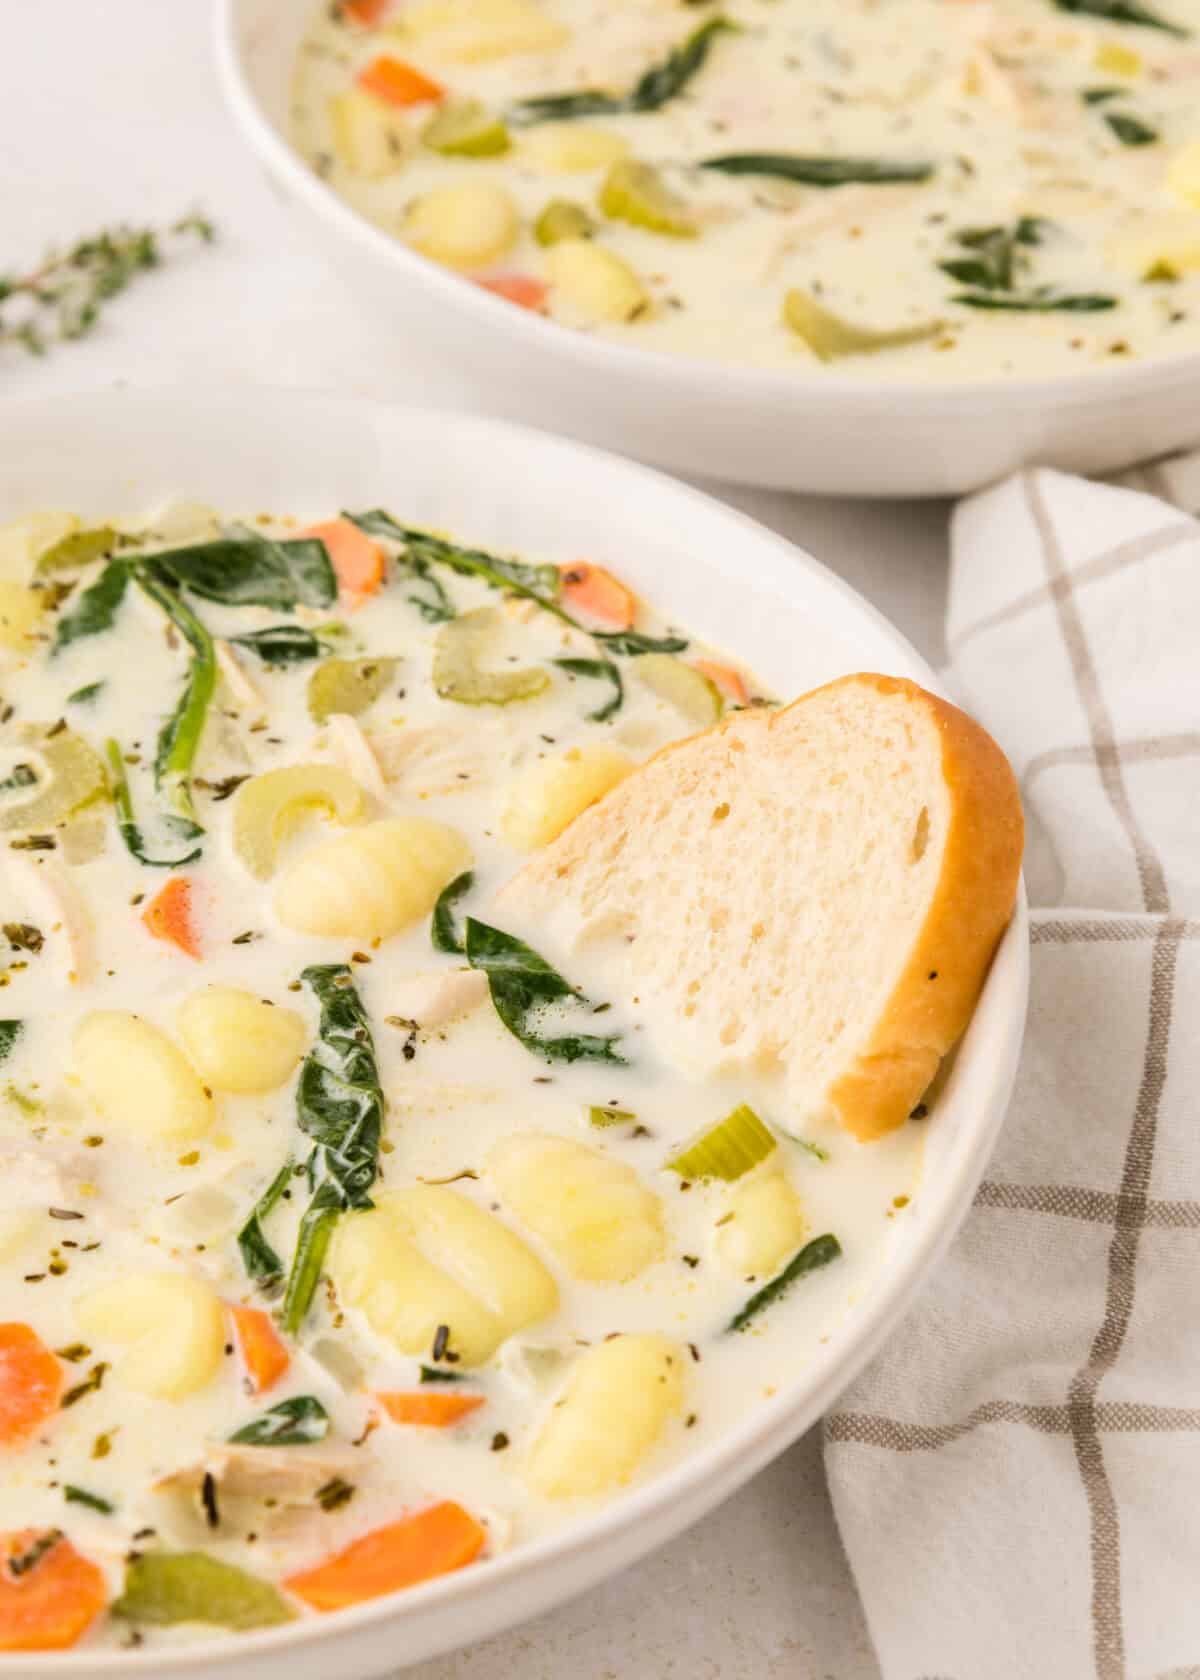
(726, 1150)
(164, 1588)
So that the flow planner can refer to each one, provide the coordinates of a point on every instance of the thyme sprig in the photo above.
(63, 296)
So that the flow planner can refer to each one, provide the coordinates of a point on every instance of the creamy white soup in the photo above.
(933, 189)
(348, 1240)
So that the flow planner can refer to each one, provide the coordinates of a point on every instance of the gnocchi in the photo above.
(614, 1407)
(550, 792)
(173, 1327)
(427, 1257)
(465, 227)
(20, 613)
(138, 1079)
(370, 884)
(593, 1212)
(762, 1224)
(238, 1042)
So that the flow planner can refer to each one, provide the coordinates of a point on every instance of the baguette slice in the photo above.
(817, 890)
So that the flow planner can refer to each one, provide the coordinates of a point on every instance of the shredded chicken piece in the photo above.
(61, 910)
(354, 753)
(433, 999)
(272, 1490)
(245, 695)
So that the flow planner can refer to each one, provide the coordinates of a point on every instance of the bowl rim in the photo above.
(692, 377)
(768, 1429)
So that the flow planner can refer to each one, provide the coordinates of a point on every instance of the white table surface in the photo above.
(109, 111)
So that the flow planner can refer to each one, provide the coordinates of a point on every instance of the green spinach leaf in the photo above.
(819, 171)
(247, 569)
(443, 932)
(340, 1106)
(522, 984)
(259, 1258)
(819, 1252)
(538, 583)
(1122, 11)
(179, 738)
(1041, 302)
(631, 642)
(297, 1422)
(127, 824)
(96, 608)
(655, 88)
(605, 671)
(282, 644)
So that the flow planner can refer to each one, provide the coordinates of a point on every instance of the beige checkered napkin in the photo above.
(1017, 1479)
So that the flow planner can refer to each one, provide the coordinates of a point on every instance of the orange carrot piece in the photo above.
(598, 595)
(169, 916)
(356, 560)
(364, 12)
(53, 1596)
(433, 1542)
(397, 83)
(521, 289)
(264, 1352)
(435, 1408)
(728, 680)
(31, 1383)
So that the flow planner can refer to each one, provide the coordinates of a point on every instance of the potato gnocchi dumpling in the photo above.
(371, 883)
(238, 1042)
(20, 611)
(761, 1225)
(138, 1079)
(172, 1325)
(550, 792)
(429, 1256)
(614, 1407)
(466, 226)
(594, 1213)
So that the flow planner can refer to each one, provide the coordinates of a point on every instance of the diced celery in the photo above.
(466, 128)
(696, 695)
(636, 192)
(165, 1588)
(347, 685)
(726, 1150)
(562, 219)
(828, 336)
(458, 675)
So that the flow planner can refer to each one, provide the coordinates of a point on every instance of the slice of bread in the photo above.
(817, 890)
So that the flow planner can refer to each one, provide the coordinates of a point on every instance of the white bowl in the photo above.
(792, 431)
(736, 585)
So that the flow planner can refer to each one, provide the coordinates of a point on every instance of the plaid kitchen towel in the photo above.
(1017, 1478)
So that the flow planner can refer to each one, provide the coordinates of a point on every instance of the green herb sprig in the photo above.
(62, 298)
(298, 1422)
(819, 171)
(1122, 11)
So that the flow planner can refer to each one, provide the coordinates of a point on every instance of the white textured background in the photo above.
(109, 110)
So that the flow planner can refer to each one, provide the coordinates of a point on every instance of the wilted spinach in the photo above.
(443, 932)
(523, 984)
(297, 1422)
(819, 1252)
(655, 88)
(340, 1106)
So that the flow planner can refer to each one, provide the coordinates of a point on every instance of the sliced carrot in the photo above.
(264, 1351)
(31, 1384)
(364, 12)
(357, 561)
(397, 83)
(521, 289)
(433, 1542)
(433, 1407)
(169, 915)
(598, 595)
(728, 680)
(49, 1593)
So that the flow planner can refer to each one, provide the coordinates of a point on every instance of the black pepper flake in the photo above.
(441, 1342)
(73, 1352)
(246, 938)
(335, 1494)
(694, 1351)
(64, 1213)
(499, 1441)
(690, 1421)
(692, 1260)
(24, 937)
(920, 1112)
(208, 1498)
(933, 973)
